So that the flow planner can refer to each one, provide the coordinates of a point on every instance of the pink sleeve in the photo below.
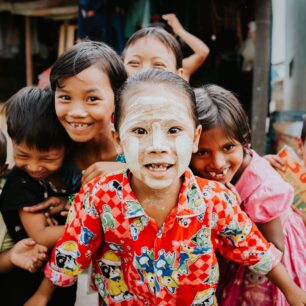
(268, 201)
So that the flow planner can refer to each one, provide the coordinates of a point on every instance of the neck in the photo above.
(246, 161)
(157, 203)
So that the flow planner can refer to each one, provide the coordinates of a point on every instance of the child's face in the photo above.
(149, 52)
(218, 158)
(84, 104)
(157, 144)
(39, 165)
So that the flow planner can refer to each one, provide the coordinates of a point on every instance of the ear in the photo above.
(196, 139)
(117, 142)
(180, 72)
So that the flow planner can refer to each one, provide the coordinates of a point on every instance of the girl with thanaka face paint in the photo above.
(225, 156)
(151, 230)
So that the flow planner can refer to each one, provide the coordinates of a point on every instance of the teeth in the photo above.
(219, 175)
(79, 125)
(162, 167)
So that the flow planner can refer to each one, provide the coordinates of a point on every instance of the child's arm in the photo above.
(200, 49)
(36, 226)
(295, 296)
(42, 295)
(273, 232)
(101, 168)
(25, 254)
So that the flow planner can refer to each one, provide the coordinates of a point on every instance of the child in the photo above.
(224, 155)
(25, 254)
(85, 80)
(152, 47)
(151, 229)
(193, 62)
(40, 145)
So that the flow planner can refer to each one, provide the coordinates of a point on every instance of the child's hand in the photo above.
(51, 206)
(174, 23)
(275, 161)
(101, 168)
(297, 298)
(28, 255)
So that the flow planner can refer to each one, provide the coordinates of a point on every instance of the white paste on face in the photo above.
(157, 129)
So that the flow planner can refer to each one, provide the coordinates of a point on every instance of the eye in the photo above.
(174, 130)
(133, 63)
(201, 153)
(20, 156)
(140, 131)
(92, 99)
(159, 65)
(229, 147)
(63, 97)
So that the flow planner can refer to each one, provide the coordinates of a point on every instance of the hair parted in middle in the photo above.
(168, 40)
(218, 107)
(160, 78)
(85, 54)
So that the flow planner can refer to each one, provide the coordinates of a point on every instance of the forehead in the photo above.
(148, 100)
(151, 45)
(25, 148)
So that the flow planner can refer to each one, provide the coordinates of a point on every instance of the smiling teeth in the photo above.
(159, 166)
(218, 175)
(79, 125)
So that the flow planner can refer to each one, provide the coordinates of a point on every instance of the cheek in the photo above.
(130, 147)
(183, 145)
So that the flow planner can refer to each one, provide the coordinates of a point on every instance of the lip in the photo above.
(79, 126)
(218, 175)
(38, 176)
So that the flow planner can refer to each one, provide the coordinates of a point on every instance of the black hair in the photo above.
(303, 134)
(3, 149)
(218, 107)
(154, 76)
(85, 54)
(31, 118)
(163, 36)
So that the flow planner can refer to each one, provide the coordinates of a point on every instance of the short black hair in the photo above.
(218, 107)
(85, 54)
(155, 76)
(31, 118)
(163, 36)
(3, 149)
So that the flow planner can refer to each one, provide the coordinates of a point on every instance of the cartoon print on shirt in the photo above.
(194, 199)
(110, 265)
(144, 265)
(184, 222)
(235, 234)
(89, 207)
(65, 257)
(138, 225)
(86, 235)
(116, 186)
(166, 272)
(213, 276)
(202, 238)
(134, 209)
(107, 218)
(205, 298)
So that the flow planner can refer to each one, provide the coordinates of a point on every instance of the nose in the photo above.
(159, 141)
(218, 161)
(77, 110)
(34, 167)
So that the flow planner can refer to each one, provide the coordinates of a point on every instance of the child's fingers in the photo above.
(51, 201)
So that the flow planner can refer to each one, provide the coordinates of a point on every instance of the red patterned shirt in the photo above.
(137, 263)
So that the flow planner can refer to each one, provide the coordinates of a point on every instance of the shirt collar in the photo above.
(190, 203)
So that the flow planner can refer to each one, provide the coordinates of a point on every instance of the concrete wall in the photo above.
(295, 56)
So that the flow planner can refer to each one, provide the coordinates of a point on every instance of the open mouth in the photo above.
(79, 125)
(218, 175)
(37, 176)
(158, 167)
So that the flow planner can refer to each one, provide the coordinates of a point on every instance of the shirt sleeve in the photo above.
(83, 234)
(269, 201)
(240, 239)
